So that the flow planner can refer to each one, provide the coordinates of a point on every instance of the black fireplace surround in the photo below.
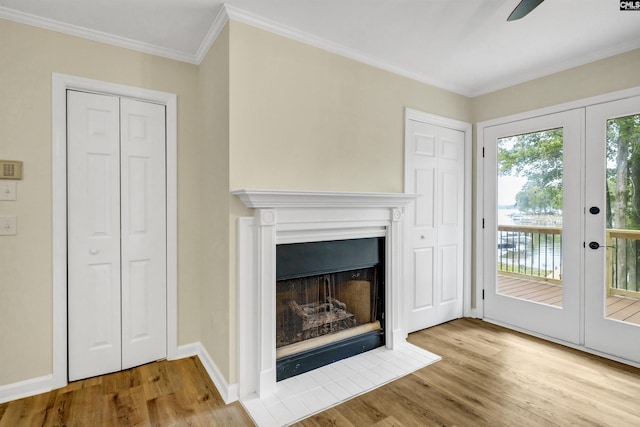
(324, 268)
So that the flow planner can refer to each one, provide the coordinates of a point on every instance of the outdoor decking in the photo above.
(530, 290)
(619, 308)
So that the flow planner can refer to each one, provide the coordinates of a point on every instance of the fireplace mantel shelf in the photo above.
(269, 199)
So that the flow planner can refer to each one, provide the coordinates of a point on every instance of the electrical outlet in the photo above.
(8, 225)
(8, 190)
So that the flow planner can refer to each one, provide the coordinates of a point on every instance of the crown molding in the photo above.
(245, 17)
(557, 67)
(225, 14)
(210, 38)
(228, 12)
(98, 36)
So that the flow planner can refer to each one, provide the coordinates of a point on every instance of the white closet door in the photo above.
(435, 260)
(93, 234)
(143, 198)
(116, 234)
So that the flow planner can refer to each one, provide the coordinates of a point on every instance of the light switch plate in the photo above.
(8, 190)
(8, 225)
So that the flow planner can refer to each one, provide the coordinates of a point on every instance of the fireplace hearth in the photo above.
(329, 302)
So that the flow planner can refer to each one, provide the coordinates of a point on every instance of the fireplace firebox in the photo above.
(329, 302)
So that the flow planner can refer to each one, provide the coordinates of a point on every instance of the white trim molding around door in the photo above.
(60, 84)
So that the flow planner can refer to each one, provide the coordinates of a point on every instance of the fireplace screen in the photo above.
(329, 302)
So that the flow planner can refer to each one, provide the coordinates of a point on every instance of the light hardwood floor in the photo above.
(175, 393)
(489, 376)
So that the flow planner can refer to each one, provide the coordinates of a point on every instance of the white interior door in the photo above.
(93, 234)
(533, 224)
(143, 232)
(434, 169)
(612, 252)
(116, 233)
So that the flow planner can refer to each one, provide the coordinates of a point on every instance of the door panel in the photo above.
(424, 210)
(515, 294)
(423, 264)
(93, 236)
(143, 233)
(612, 300)
(449, 267)
(434, 170)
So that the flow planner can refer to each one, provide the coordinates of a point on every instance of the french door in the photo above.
(116, 233)
(532, 224)
(612, 236)
(562, 226)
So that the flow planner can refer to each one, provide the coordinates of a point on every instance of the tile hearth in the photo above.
(301, 396)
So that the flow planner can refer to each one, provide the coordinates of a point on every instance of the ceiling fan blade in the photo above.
(523, 9)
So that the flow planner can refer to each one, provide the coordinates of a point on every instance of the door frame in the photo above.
(479, 235)
(466, 128)
(59, 85)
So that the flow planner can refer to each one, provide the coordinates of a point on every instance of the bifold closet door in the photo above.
(116, 233)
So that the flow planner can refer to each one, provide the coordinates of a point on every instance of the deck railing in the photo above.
(623, 262)
(535, 252)
(526, 250)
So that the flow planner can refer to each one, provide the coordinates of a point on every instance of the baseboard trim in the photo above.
(26, 388)
(229, 392)
(46, 383)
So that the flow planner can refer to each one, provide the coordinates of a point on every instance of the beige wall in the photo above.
(28, 56)
(305, 118)
(215, 305)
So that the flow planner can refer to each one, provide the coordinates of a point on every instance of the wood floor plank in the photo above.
(626, 312)
(620, 304)
(533, 291)
(388, 422)
(330, 417)
(635, 319)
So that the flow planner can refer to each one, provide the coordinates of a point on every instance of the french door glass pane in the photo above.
(623, 219)
(530, 171)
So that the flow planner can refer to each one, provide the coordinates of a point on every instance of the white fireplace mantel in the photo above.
(303, 216)
(271, 199)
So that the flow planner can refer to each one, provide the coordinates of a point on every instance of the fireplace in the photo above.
(329, 302)
(289, 219)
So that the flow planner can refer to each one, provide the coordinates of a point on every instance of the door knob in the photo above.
(594, 210)
(596, 245)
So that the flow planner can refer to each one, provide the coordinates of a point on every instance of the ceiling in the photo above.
(467, 47)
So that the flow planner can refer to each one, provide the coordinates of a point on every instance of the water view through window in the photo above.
(529, 244)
